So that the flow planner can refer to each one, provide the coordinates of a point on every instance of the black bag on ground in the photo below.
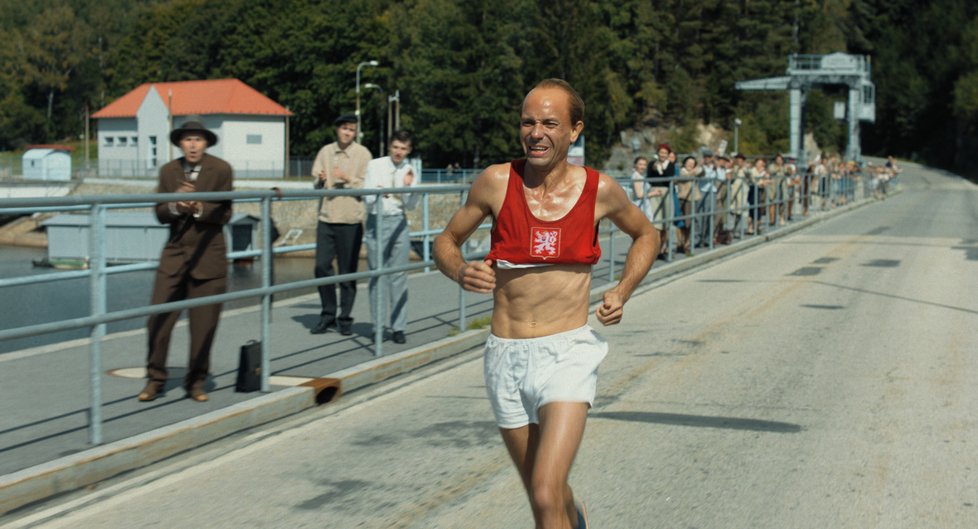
(249, 368)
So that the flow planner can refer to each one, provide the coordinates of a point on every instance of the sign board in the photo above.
(839, 110)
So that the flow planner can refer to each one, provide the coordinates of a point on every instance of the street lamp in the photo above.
(393, 121)
(736, 145)
(380, 130)
(359, 66)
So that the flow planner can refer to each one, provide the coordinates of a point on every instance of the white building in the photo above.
(134, 130)
(47, 162)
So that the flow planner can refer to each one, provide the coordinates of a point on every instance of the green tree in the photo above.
(55, 45)
(966, 86)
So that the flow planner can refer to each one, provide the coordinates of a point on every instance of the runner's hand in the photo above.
(611, 310)
(477, 276)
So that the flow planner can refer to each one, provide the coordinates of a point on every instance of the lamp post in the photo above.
(392, 121)
(736, 145)
(380, 129)
(359, 66)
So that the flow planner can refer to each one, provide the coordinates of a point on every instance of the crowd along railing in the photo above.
(732, 205)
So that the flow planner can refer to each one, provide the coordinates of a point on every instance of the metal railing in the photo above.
(742, 205)
(97, 273)
(98, 270)
(122, 168)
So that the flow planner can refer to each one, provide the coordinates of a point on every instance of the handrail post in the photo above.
(97, 285)
(426, 250)
(670, 210)
(266, 298)
(461, 291)
(693, 217)
(611, 254)
(379, 279)
(742, 216)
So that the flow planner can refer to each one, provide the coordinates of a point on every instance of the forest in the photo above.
(462, 67)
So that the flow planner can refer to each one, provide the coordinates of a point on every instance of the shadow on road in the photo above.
(700, 421)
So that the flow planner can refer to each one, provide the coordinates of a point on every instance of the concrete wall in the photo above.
(115, 159)
(264, 156)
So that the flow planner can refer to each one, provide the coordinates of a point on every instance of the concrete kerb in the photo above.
(386, 367)
(103, 462)
(96, 464)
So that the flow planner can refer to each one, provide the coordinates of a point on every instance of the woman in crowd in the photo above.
(777, 191)
(657, 191)
(689, 193)
(759, 180)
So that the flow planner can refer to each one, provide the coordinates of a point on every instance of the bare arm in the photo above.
(474, 276)
(637, 190)
(614, 204)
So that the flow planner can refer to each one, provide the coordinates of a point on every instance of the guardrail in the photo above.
(98, 270)
(743, 200)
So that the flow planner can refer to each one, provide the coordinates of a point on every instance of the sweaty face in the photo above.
(399, 150)
(545, 128)
(345, 133)
(193, 146)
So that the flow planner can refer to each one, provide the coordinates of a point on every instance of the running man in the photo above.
(541, 358)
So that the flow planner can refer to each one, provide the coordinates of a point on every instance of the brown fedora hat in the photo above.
(193, 124)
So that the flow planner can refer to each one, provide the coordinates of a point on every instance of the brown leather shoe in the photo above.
(197, 394)
(150, 392)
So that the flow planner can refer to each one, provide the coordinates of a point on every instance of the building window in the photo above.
(253, 139)
(122, 141)
(134, 140)
(151, 159)
(867, 94)
(109, 141)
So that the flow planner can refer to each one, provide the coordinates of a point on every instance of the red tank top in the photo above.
(521, 238)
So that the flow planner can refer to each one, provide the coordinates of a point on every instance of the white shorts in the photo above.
(522, 375)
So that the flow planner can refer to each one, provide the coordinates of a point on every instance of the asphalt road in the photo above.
(824, 380)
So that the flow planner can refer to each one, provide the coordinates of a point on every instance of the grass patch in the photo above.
(474, 324)
(479, 323)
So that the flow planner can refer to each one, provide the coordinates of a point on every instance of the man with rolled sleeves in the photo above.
(339, 232)
(193, 263)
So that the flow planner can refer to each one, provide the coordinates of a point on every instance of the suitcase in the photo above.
(249, 368)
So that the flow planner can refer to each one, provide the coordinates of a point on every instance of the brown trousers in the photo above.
(203, 326)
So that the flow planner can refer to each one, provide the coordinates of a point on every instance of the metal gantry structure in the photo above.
(806, 72)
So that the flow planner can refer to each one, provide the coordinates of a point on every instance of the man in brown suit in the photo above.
(193, 263)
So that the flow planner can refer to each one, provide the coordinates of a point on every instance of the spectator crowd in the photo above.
(713, 198)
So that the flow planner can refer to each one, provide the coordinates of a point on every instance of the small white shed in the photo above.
(47, 163)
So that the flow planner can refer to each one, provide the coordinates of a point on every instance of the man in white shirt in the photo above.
(392, 247)
(709, 184)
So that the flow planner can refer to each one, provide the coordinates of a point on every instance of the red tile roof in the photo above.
(54, 147)
(218, 96)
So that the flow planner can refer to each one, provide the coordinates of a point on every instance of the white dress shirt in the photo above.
(383, 173)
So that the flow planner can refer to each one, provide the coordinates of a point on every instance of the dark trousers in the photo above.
(342, 243)
(203, 326)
